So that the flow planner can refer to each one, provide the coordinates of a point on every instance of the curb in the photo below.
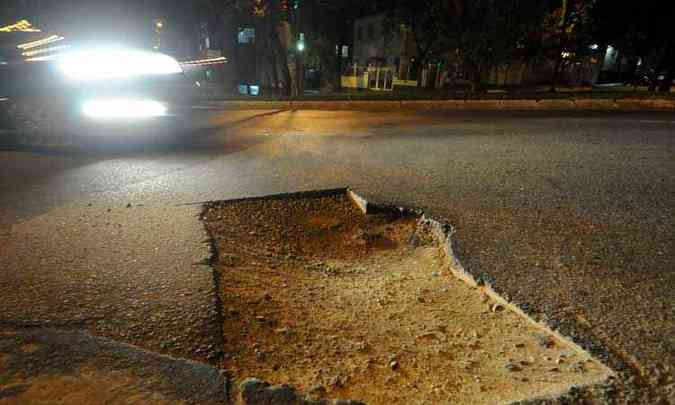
(578, 104)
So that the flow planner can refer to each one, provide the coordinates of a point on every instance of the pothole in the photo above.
(340, 304)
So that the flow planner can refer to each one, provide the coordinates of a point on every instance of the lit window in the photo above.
(246, 36)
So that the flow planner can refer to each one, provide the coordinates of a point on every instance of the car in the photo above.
(85, 93)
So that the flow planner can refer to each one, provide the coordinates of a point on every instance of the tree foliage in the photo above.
(480, 34)
(490, 33)
(425, 20)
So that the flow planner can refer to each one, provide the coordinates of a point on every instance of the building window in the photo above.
(246, 36)
(359, 33)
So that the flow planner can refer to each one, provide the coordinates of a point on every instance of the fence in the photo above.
(386, 78)
(371, 78)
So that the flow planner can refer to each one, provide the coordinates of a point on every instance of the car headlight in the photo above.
(123, 108)
(105, 64)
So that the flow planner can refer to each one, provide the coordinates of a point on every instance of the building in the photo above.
(374, 46)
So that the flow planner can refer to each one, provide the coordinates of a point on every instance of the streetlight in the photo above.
(159, 26)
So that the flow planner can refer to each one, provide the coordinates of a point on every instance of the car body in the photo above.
(89, 92)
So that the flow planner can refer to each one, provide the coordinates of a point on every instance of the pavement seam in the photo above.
(211, 262)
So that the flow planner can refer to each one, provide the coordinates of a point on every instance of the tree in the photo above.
(641, 31)
(328, 27)
(479, 34)
(567, 34)
(425, 20)
(272, 20)
(490, 33)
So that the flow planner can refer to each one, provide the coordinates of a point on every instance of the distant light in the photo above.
(204, 62)
(43, 58)
(20, 26)
(121, 108)
(116, 63)
(45, 50)
(40, 42)
(301, 46)
(594, 46)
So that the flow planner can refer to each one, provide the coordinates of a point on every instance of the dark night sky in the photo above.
(121, 21)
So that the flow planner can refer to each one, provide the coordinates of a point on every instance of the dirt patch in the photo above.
(344, 305)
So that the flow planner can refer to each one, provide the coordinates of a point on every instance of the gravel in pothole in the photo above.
(342, 305)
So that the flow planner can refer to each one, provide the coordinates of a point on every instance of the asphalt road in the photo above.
(570, 215)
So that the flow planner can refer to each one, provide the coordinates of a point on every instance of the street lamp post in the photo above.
(159, 27)
(300, 65)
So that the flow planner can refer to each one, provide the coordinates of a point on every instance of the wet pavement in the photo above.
(570, 215)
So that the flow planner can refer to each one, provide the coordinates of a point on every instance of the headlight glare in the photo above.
(121, 108)
(104, 64)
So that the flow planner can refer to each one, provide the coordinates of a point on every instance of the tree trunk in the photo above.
(523, 71)
(300, 74)
(477, 85)
(417, 68)
(669, 65)
(555, 77)
(272, 60)
(282, 60)
(337, 77)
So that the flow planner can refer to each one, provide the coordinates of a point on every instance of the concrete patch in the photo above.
(313, 298)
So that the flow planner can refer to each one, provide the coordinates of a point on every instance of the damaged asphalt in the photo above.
(568, 214)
